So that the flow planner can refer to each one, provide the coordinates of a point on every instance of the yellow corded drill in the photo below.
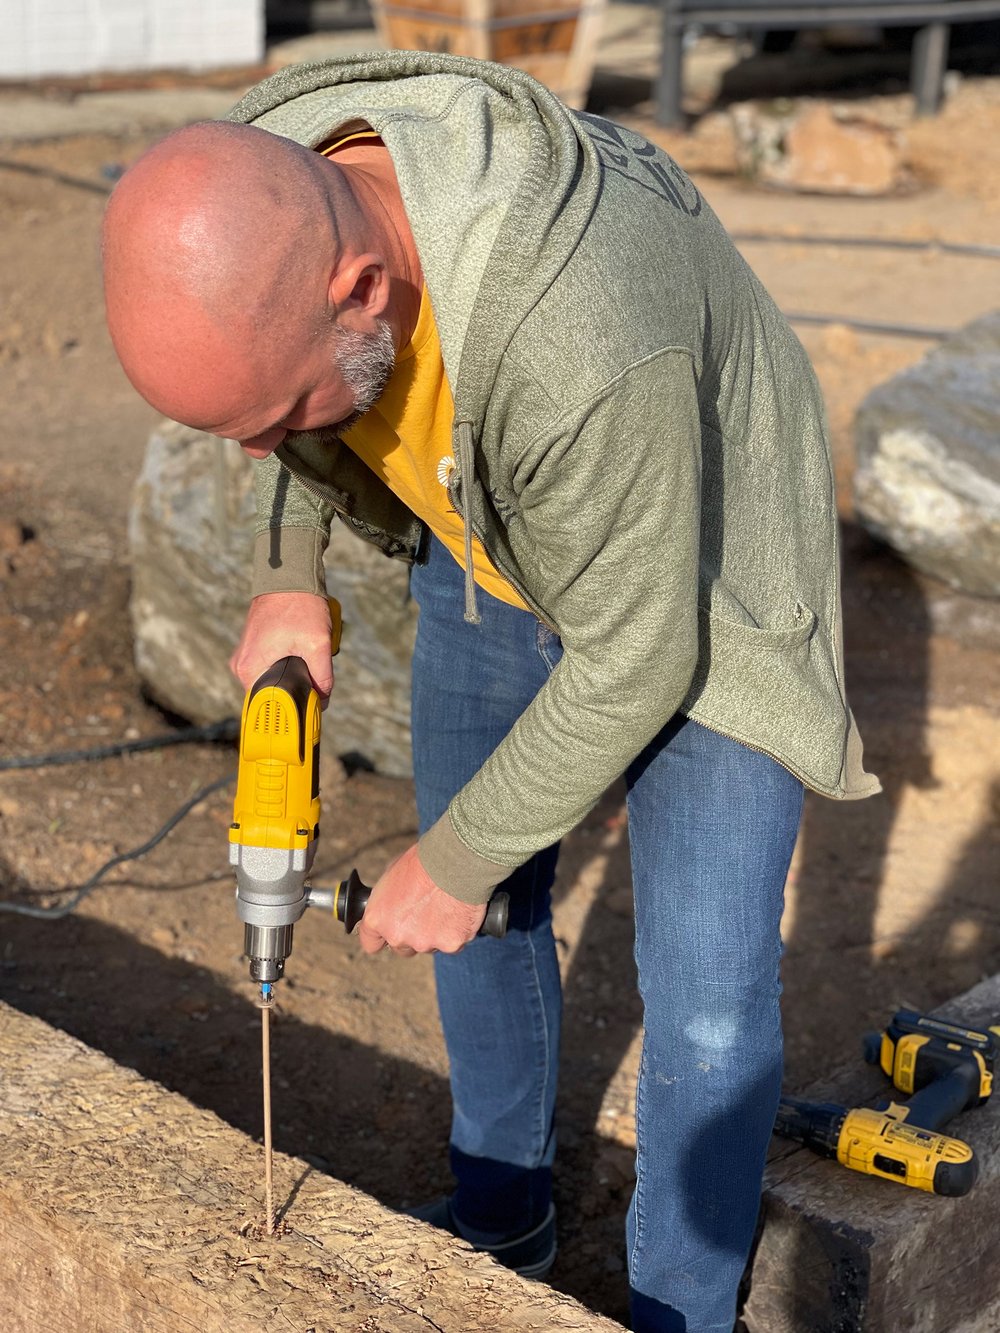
(275, 828)
(945, 1069)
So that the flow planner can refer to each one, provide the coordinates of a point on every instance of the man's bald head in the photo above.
(218, 248)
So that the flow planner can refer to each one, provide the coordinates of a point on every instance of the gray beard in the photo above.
(366, 361)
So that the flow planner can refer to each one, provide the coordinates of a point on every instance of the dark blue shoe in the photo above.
(531, 1254)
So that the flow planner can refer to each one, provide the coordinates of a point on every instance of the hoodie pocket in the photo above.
(772, 687)
(797, 631)
(722, 615)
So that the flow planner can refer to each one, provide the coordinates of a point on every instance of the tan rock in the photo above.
(840, 156)
(818, 148)
(12, 535)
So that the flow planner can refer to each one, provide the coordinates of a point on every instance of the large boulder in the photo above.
(191, 535)
(928, 470)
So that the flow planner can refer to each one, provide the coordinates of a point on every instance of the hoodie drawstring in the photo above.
(466, 468)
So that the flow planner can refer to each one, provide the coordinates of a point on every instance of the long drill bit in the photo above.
(266, 1003)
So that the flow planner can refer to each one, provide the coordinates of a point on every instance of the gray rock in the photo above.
(191, 536)
(928, 474)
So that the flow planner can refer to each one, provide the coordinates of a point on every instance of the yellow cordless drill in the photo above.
(944, 1068)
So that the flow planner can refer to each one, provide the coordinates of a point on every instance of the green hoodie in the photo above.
(640, 439)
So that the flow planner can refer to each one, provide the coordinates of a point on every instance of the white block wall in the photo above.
(89, 36)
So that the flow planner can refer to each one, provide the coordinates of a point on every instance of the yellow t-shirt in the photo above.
(406, 440)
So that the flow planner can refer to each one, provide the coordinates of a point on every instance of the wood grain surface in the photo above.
(124, 1207)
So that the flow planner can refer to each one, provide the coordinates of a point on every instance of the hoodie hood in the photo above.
(497, 181)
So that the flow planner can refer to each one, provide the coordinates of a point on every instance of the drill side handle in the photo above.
(939, 1102)
(351, 898)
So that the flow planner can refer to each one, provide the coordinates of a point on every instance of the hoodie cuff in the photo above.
(289, 560)
(455, 867)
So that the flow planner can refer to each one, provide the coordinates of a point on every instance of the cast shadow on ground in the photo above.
(869, 69)
(174, 1022)
(841, 959)
(61, 177)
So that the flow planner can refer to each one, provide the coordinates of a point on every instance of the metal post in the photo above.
(927, 66)
(670, 78)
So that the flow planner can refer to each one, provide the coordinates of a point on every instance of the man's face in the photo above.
(333, 392)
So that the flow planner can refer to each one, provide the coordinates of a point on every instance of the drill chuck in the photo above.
(815, 1125)
(267, 947)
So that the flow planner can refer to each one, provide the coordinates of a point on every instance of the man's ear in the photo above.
(359, 287)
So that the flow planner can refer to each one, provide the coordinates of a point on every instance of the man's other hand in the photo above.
(286, 624)
(412, 915)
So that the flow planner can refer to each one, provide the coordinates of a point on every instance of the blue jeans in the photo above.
(712, 826)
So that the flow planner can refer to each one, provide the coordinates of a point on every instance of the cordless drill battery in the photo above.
(916, 1051)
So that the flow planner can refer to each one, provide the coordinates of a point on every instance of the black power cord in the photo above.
(891, 330)
(64, 909)
(226, 730)
(872, 326)
(969, 250)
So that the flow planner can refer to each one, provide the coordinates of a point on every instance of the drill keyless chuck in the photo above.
(267, 947)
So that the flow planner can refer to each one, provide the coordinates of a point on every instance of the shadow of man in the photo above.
(834, 959)
(863, 935)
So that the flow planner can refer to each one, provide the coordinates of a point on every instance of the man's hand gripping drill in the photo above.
(407, 910)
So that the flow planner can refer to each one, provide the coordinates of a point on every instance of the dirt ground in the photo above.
(890, 901)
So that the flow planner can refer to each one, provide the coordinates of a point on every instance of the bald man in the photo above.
(512, 345)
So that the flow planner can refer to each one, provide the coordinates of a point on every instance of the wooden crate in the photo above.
(553, 40)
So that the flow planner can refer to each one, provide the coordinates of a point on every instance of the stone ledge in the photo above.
(840, 1252)
(123, 1206)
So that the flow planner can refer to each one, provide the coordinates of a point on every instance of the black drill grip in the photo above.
(352, 899)
(938, 1102)
(291, 675)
